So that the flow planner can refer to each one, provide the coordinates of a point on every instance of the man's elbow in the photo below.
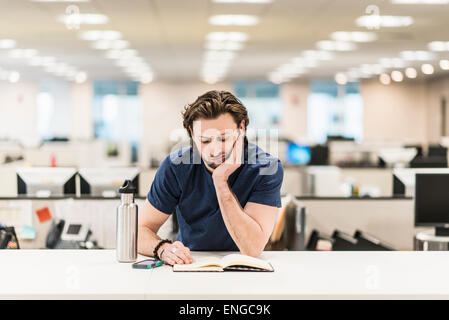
(254, 252)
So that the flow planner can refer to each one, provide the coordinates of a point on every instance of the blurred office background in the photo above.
(350, 95)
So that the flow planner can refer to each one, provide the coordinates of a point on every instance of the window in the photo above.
(334, 110)
(117, 114)
(53, 110)
(262, 101)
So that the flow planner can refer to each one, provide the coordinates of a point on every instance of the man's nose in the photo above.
(215, 148)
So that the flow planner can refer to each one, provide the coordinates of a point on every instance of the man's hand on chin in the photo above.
(234, 161)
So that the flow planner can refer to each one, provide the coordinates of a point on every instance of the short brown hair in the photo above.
(211, 105)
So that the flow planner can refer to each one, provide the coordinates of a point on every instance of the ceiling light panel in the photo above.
(85, 18)
(336, 45)
(430, 2)
(242, 1)
(356, 36)
(376, 21)
(7, 43)
(438, 46)
(418, 55)
(233, 20)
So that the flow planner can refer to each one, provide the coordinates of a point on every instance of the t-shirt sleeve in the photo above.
(268, 189)
(165, 191)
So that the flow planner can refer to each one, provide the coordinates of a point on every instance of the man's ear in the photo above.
(242, 126)
(191, 131)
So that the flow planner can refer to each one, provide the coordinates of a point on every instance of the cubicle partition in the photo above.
(388, 219)
(33, 217)
(381, 217)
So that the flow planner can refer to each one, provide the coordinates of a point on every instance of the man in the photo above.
(224, 190)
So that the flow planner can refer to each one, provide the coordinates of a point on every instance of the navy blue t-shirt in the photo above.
(183, 183)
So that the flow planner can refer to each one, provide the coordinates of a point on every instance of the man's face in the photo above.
(215, 138)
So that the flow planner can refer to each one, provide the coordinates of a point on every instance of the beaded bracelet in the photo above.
(158, 246)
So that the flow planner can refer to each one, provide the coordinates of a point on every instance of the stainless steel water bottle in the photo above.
(127, 224)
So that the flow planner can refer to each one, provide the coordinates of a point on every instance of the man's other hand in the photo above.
(175, 253)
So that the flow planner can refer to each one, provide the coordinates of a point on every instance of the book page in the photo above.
(208, 264)
(240, 259)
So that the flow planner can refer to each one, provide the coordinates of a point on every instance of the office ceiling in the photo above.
(170, 35)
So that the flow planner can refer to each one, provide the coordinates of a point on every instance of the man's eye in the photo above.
(205, 141)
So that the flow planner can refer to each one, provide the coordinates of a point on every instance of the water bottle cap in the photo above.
(127, 187)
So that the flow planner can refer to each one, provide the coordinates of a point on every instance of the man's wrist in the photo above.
(220, 179)
(161, 250)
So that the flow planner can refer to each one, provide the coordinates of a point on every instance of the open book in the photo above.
(231, 262)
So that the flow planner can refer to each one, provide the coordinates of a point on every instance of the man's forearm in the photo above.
(147, 241)
(244, 230)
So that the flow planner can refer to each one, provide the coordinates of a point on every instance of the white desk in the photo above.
(69, 274)
(87, 274)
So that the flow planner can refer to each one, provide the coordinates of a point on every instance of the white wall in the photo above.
(395, 112)
(436, 90)
(163, 104)
(17, 110)
(81, 117)
(294, 113)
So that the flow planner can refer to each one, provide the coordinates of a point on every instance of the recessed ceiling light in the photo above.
(397, 76)
(233, 20)
(419, 1)
(85, 18)
(94, 35)
(7, 43)
(341, 78)
(427, 68)
(355, 36)
(227, 36)
(438, 45)
(376, 21)
(81, 77)
(411, 73)
(336, 45)
(274, 78)
(418, 55)
(385, 79)
(242, 1)
(146, 78)
(14, 77)
(444, 64)
(60, 0)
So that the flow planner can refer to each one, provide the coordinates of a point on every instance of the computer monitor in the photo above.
(297, 154)
(437, 151)
(46, 181)
(404, 179)
(105, 182)
(429, 162)
(432, 202)
(319, 155)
